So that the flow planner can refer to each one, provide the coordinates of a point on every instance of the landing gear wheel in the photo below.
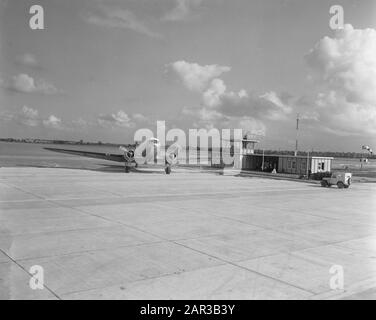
(340, 185)
(168, 169)
(126, 169)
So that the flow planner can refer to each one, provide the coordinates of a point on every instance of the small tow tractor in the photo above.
(342, 180)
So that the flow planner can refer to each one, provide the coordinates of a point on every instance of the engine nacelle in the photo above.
(172, 158)
(128, 154)
(172, 154)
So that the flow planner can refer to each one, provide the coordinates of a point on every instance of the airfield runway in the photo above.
(190, 235)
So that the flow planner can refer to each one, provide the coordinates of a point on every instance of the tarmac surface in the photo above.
(189, 235)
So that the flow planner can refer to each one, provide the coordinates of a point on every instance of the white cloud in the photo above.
(119, 119)
(28, 116)
(81, 123)
(182, 10)
(345, 67)
(267, 107)
(276, 100)
(25, 116)
(252, 126)
(53, 122)
(27, 84)
(221, 107)
(23, 83)
(140, 117)
(351, 118)
(111, 17)
(212, 96)
(210, 118)
(204, 114)
(195, 76)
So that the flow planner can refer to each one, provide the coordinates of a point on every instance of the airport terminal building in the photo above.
(299, 165)
(287, 164)
(247, 159)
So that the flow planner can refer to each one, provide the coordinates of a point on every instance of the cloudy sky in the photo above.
(101, 69)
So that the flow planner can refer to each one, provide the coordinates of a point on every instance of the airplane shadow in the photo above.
(112, 168)
(99, 167)
(120, 168)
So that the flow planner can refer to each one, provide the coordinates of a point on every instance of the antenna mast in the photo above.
(297, 131)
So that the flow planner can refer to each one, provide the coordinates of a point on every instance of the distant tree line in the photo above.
(334, 154)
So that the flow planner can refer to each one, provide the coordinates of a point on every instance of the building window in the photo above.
(321, 166)
(294, 164)
(288, 164)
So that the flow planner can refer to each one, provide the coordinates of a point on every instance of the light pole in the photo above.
(307, 164)
(297, 132)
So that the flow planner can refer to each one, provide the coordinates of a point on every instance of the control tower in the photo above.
(242, 148)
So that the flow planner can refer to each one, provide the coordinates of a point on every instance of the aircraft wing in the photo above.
(89, 154)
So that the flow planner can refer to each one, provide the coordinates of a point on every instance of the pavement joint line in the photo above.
(332, 218)
(113, 221)
(50, 232)
(249, 270)
(29, 274)
(364, 285)
(162, 238)
(318, 259)
(61, 231)
(255, 225)
(103, 218)
(182, 239)
(89, 251)
(147, 279)
(162, 195)
(230, 194)
(144, 279)
(166, 240)
(312, 237)
(285, 232)
(344, 241)
(266, 255)
(164, 204)
(165, 275)
(334, 244)
(25, 191)
(254, 258)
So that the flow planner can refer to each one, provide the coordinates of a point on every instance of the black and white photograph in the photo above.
(187, 150)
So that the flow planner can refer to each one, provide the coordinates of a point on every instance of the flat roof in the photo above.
(288, 156)
(241, 140)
